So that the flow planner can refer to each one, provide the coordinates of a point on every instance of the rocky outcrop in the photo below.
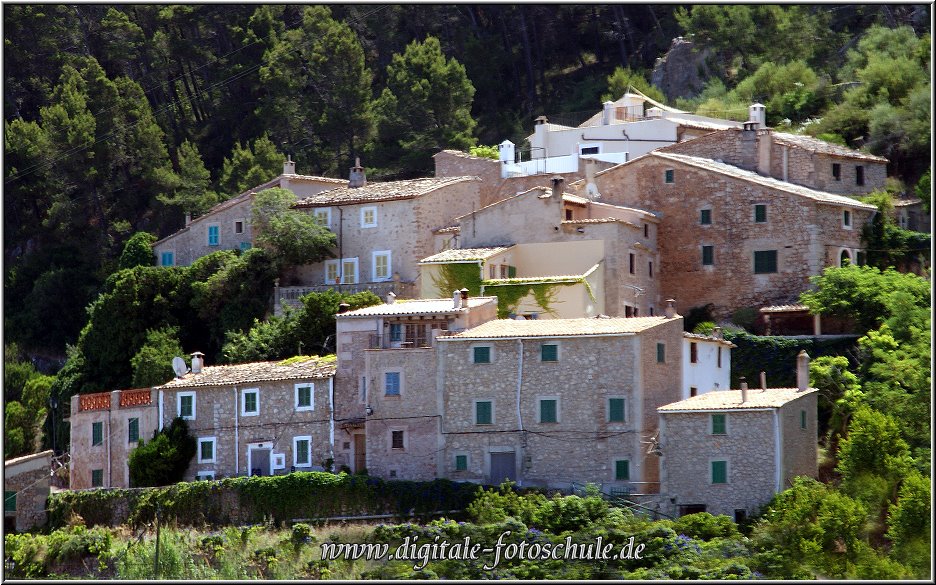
(682, 71)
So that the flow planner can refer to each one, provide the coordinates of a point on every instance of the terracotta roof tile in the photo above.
(256, 372)
(701, 337)
(463, 254)
(821, 146)
(416, 307)
(508, 328)
(385, 191)
(731, 400)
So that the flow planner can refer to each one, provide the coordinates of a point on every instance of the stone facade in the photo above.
(103, 463)
(803, 229)
(26, 482)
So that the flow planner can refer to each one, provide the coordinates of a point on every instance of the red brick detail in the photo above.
(99, 401)
(135, 397)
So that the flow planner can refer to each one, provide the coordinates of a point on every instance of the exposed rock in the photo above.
(682, 71)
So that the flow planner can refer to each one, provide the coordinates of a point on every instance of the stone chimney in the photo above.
(391, 298)
(343, 308)
(763, 380)
(557, 187)
(717, 333)
(464, 295)
(607, 113)
(802, 371)
(357, 177)
(670, 308)
(198, 361)
(289, 167)
(743, 390)
(456, 299)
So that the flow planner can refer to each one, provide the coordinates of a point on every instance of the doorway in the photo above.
(360, 452)
(503, 467)
(258, 460)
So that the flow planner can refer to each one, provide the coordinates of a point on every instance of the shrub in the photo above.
(705, 526)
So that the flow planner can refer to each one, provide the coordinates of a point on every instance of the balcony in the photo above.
(291, 294)
(394, 341)
(97, 401)
(131, 398)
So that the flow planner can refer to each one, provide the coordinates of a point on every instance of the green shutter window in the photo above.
(549, 352)
(461, 463)
(661, 353)
(706, 217)
(9, 501)
(718, 424)
(765, 262)
(669, 176)
(305, 396)
(548, 411)
(615, 410)
(302, 452)
(250, 402)
(719, 472)
(511, 272)
(708, 255)
(622, 470)
(97, 433)
(482, 355)
(185, 406)
(483, 412)
(97, 478)
(133, 430)
(802, 419)
(760, 214)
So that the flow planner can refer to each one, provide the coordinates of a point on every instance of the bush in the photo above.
(705, 526)
(165, 459)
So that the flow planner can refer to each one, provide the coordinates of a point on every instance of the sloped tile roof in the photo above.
(821, 146)
(464, 254)
(255, 372)
(907, 201)
(731, 400)
(415, 307)
(384, 191)
(701, 337)
(507, 328)
(752, 177)
(784, 309)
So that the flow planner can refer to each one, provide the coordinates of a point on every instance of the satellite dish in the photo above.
(179, 367)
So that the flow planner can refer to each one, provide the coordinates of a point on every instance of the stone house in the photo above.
(732, 237)
(26, 484)
(260, 418)
(226, 226)
(105, 427)
(383, 229)
(552, 402)
(729, 452)
(547, 253)
(386, 401)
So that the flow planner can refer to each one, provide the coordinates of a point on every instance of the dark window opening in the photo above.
(859, 175)
(837, 171)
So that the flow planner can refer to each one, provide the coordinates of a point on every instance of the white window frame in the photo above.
(354, 279)
(847, 224)
(374, 255)
(539, 409)
(243, 223)
(336, 264)
(204, 475)
(179, 405)
(364, 211)
(295, 450)
(243, 408)
(311, 387)
(173, 263)
(214, 449)
(208, 235)
(326, 213)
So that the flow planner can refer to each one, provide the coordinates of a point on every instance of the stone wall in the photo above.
(29, 476)
(799, 444)
(191, 242)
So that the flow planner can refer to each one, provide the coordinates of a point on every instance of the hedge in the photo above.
(776, 356)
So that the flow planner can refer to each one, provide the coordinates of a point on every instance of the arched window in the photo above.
(845, 258)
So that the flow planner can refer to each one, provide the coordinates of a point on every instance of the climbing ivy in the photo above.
(457, 276)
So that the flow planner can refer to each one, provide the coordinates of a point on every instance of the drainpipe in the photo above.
(519, 414)
(110, 463)
(778, 452)
(331, 418)
(236, 438)
(160, 401)
(340, 246)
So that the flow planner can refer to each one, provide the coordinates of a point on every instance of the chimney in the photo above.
(557, 187)
(758, 113)
(717, 333)
(357, 178)
(763, 380)
(343, 308)
(464, 295)
(188, 219)
(197, 362)
(289, 167)
(654, 112)
(391, 298)
(607, 113)
(506, 152)
(538, 144)
(802, 371)
(743, 390)
(670, 308)
(456, 299)
(591, 189)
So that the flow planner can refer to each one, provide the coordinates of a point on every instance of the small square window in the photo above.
(693, 352)
(482, 355)
(9, 501)
(461, 463)
(548, 410)
(322, 216)
(693, 391)
(484, 414)
(718, 424)
(368, 217)
(549, 352)
(705, 217)
(669, 176)
(133, 430)
(622, 470)
(304, 397)
(396, 439)
(719, 472)
(250, 406)
(167, 259)
(616, 410)
(708, 255)
(206, 450)
(392, 383)
(760, 213)
(97, 478)
(238, 227)
(765, 262)
(661, 353)
(837, 171)
(97, 433)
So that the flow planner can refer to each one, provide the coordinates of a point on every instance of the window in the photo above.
(482, 355)
(392, 383)
(632, 259)
(368, 217)
(568, 214)
(492, 269)
(760, 213)
(133, 430)
(646, 230)
(97, 478)
(844, 258)
(304, 400)
(549, 352)
(244, 246)
(461, 463)
(349, 268)
(661, 353)
(616, 410)
(719, 424)
(381, 263)
(705, 217)
(396, 332)
(621, 470)
(484, 412)
(214, 235)
(693, 391)
(708, 255)
(322, 216)
(669, 176)
(719, 356)
(250, 402)
(859, 175)
(837, 171)
(802, 419)
(239, 226)
(693, 352)
(765, 262)
(185, 405)
(549, 410)
(302, 451)
(719, 472)
(206, 450)
(650, 269)
(504, 271)
(167, 259)
(846, 219)
(589, 150)
(97, 433)
(204, 476)
(331, 272)
(9, 501)
(396, 440)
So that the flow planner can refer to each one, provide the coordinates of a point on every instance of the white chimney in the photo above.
(289, 167)
(607, 114)
(802, 371)
(670, 308)
(743, 390)
(197, 362)
(357, 178)
(506, 152)
(456, 300)
(655, 112)
(591, 189)
(538, 145)
(758, 113)
(188, 219)
(391, 298)
(717, 333)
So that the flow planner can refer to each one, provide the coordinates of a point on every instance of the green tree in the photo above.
(874, 446)
(909, 523)
(924, 190)
(165, 458)
(790, 91)
(624, 78)
(840, 390)
(250, 166)
(152, 365)
(482, 151)
(425, 107)
(138, 251)
(191, 189)
(292, 236)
